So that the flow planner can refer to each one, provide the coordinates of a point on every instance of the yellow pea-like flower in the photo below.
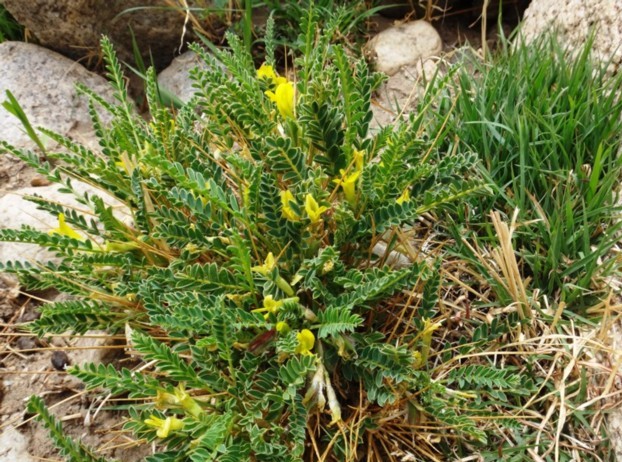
(65, 230)
(164, 426)
(267, 267)
(348, 184)
(313, 209)
(270, 306)
(284, 97)
(306, 342)
(286, 209)
(359, 159)
(266, 72)
(405, 197)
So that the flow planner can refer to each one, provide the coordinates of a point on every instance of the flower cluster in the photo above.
(282, 91)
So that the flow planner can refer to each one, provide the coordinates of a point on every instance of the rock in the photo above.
(615, 431)
(26, 344)
(574, 21)
(74, 27)
(16, 211)
(401, 92)
(9, 291)
(48, 94)
(404, 45)
(60, 360)
(95, 346)
(176, 78)
(14, 173)
(13, 446)
(40, 180)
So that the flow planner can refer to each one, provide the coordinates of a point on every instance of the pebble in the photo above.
(26, 344)
(40, 180)
(404, 45)
(60, 360)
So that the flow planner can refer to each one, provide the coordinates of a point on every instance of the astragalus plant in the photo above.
(258, 271)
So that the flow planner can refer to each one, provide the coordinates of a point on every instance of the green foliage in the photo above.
(247, 272)
(348, 19)
(546, 126)
(9, 28)
(72, 451)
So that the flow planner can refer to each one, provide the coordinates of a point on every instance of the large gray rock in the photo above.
(176, 77)
(574, 20)
(43, 82)
(404, 45)
(13, 446)
(74, 27)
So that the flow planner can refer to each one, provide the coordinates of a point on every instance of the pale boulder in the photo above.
(44, 84)
(574, 21)
(176, 80)
(404, 45)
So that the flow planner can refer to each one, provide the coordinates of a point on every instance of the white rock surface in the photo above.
(43, 82)
(574, 20)
(404, 45)
(13, 446)
(16, 211)
(176, 77)
(402, 91)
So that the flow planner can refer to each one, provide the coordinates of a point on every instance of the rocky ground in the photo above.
(31, 366)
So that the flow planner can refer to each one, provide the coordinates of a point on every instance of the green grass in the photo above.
(9, 28)
(546, 128)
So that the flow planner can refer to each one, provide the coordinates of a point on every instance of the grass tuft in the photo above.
(545, 124)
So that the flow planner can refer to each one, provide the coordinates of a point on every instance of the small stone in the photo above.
(26, 344)
(60, 360)
(30, 315)
(40, 181)
(404, 45)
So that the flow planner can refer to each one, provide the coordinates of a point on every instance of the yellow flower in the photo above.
(314, 211)
(286, 209)
(359, 159)
(306, 342)
(405, 197)
(270, 306)
(266, 72)
(267, 267)
(282, 327)
(179, 398)
(65, 230)
(283, 96)
(348, 183)
(164, 426)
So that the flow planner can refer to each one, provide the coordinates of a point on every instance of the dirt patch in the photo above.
(15, 174)
(27, 368)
